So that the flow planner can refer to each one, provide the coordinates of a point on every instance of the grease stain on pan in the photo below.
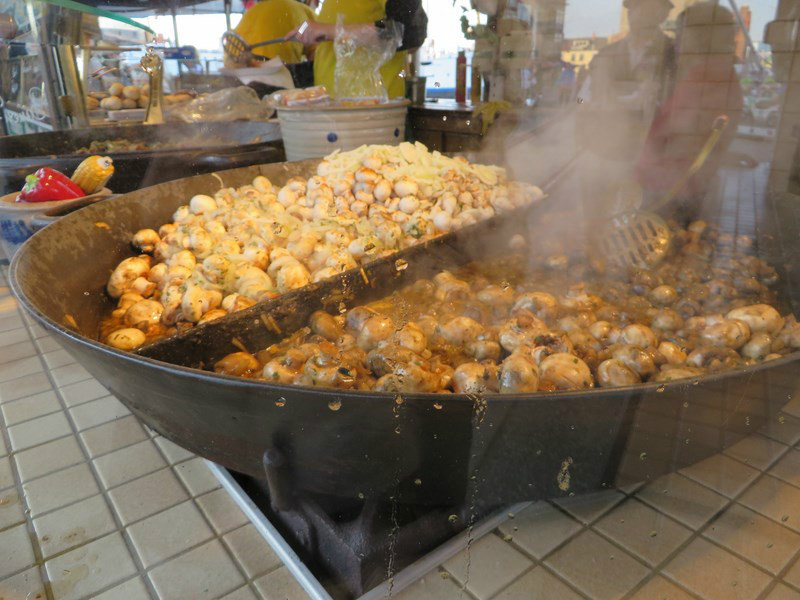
(564, 476)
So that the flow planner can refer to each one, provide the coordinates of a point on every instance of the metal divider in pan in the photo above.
(270, 321)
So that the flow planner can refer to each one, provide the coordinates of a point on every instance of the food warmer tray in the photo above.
(214, 147)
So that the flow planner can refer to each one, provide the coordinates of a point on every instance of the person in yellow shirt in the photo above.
(271, 19)
(364, 19)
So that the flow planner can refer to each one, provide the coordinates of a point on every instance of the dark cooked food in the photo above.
(123, 145)
(499, 326)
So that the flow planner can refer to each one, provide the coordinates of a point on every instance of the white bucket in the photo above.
(316, 131)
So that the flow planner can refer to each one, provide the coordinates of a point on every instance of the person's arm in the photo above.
(412, 16)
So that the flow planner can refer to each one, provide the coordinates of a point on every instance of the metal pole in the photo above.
(73, 99)
(755, 57)
(228, 8)
(175, 27)
(42, 30)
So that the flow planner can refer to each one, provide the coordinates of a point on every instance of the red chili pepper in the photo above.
(48, 184)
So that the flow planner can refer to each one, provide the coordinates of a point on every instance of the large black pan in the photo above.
(489, 450)
(196, 148)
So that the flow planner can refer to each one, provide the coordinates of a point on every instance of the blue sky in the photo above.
(584, 17)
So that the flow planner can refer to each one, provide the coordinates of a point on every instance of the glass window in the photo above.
(512, 293)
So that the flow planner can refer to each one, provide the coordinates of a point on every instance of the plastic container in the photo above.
(127, 114)
(461, 77)
(475, 83)
(316, 131)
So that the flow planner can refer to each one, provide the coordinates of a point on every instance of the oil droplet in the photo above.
(769, 545)
(438, 405)
(643, 456)
(696, 382)
(580, 100)
(342, 308)
(453, 518)
(781, 419)
(360, 495)
(444, 118)
(511, 515)
(335, 405)
(747, 421)
(563, 478)
(444, 574)
(468, 122)
(418, 481)
(685, 405)
(661, 388)
(400, 264)
(622, 520)
(397, 429)
(280, 402)
(507, 538)
(686, 441)
(653, 533)
(399, 400)
(785, 518)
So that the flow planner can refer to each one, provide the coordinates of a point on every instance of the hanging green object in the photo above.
(99, 12)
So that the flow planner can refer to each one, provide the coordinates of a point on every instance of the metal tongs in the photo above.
(642, 238)
(237, 49)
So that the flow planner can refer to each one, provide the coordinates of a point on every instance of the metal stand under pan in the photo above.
(358, 558)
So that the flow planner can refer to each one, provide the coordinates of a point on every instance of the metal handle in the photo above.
(279, 492)
(268, 42)
(717, 128)
(152, 64)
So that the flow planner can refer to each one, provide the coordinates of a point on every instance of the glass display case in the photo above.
(45, 55)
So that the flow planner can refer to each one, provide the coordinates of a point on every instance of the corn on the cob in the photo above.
(93, 173)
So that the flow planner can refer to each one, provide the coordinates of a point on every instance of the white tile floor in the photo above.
(94, 505)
